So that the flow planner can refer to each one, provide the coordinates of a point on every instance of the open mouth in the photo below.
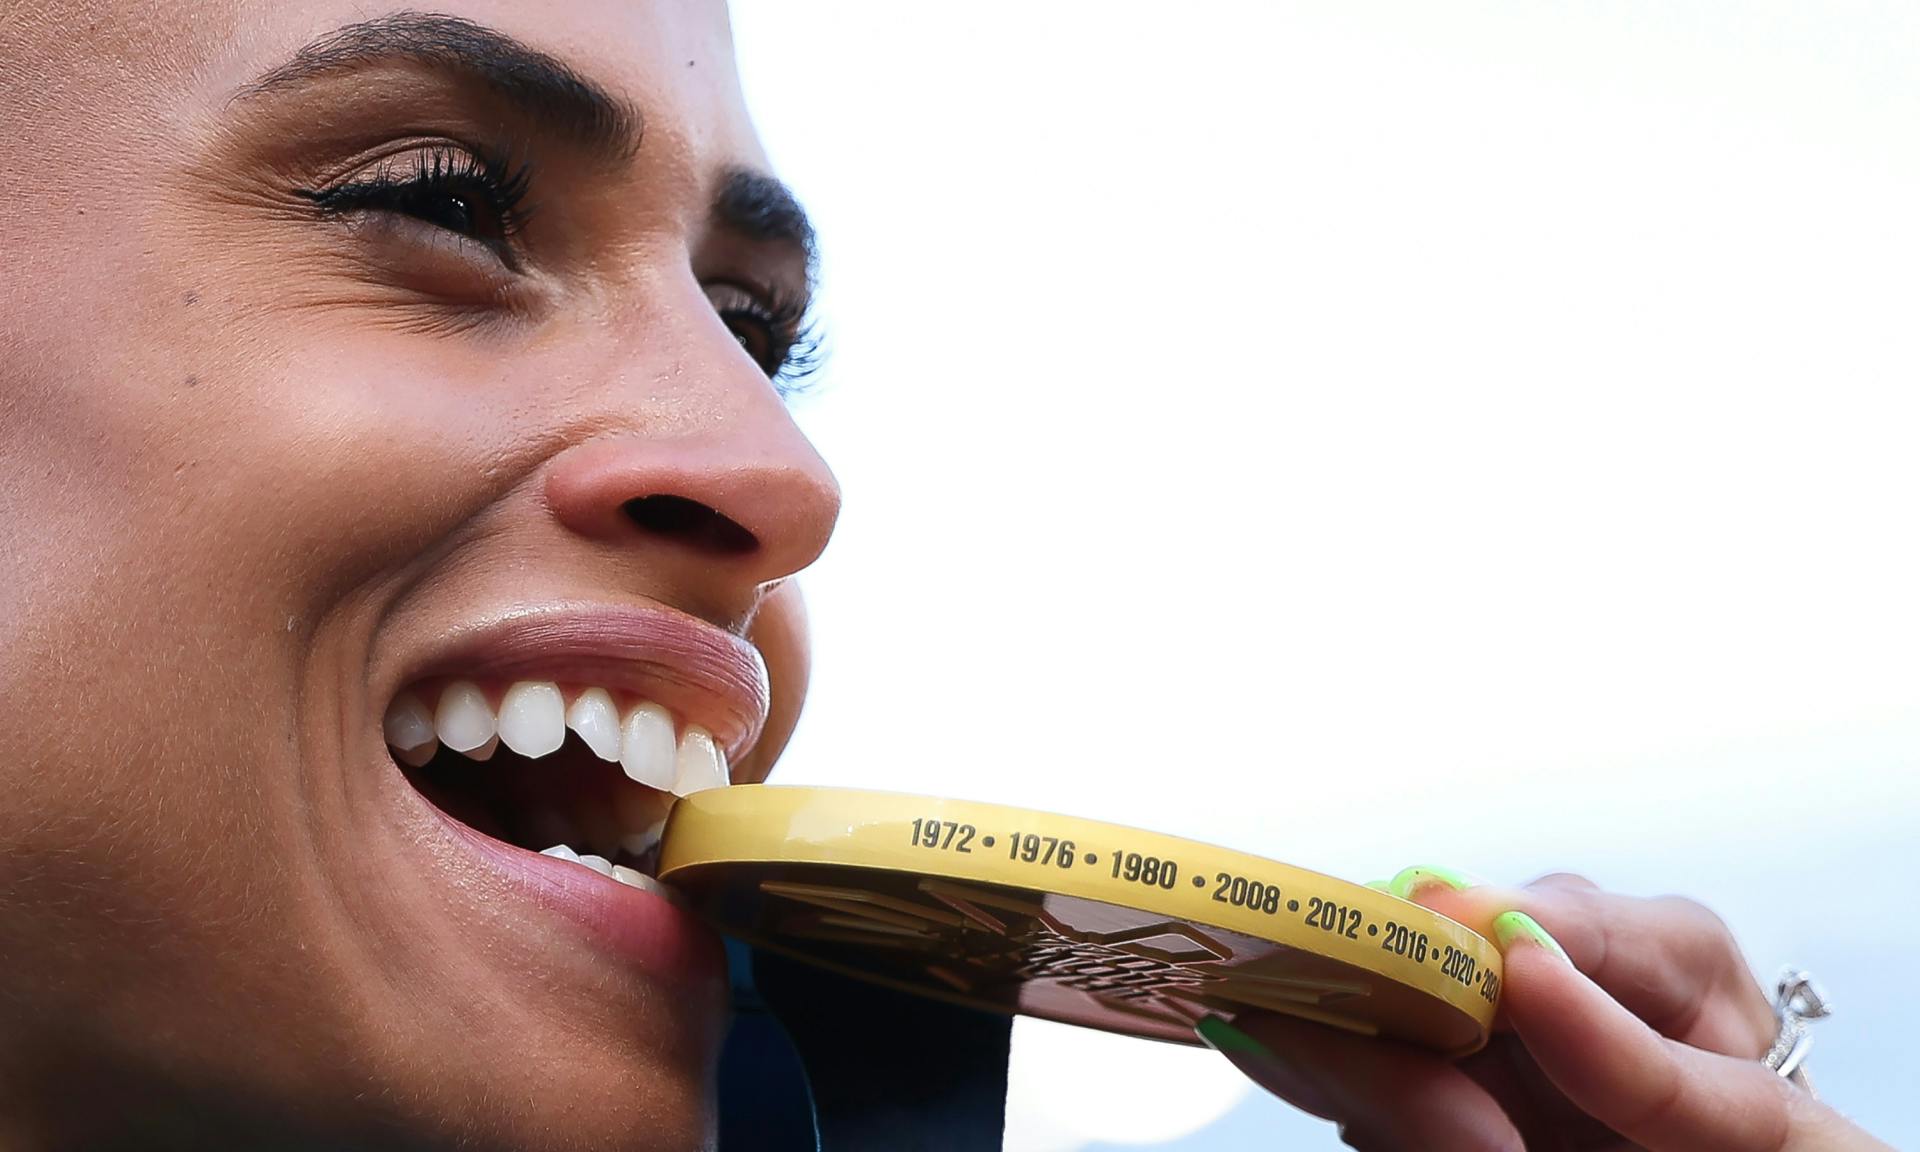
(578, 771)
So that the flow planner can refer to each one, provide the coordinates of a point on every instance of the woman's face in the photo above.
(348, 354)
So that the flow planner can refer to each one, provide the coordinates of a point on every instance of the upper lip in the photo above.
(703, 674)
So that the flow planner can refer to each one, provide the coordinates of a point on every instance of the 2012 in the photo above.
(1335, 918)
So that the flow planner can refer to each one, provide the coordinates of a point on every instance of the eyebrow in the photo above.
(760, 207)
(750, 202)
(547, 89)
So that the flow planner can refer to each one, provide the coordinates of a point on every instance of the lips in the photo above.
(703, 674)
(555, 742)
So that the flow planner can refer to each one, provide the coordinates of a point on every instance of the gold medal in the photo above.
(1073, 920)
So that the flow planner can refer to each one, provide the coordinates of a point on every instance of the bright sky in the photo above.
(1479, 434)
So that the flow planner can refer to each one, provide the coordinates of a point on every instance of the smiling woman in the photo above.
(401, 507)
(383, 393)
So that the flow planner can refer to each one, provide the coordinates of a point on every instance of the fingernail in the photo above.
(1380, 885)
(1264, 1067)
(1511, 926)
(1411, 880)
(1224, 1038)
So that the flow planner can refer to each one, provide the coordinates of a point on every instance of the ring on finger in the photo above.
(1797, 1000)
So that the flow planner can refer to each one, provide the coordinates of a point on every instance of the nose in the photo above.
(737, 496)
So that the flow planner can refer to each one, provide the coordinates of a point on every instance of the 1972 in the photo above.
(944, 835)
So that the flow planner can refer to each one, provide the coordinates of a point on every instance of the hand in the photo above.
(1644, 1031)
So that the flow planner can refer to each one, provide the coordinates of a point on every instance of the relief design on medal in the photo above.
(1007, 947)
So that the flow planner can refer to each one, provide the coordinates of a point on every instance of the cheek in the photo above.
(191, 521)
(199, 542)
(321, 467)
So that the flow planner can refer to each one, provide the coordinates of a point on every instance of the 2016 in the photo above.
(1244, 893)
(929, 833)
(1145, 869)
(1040, 849)
(1404, 941)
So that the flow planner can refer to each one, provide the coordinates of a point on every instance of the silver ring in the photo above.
(1797, 999)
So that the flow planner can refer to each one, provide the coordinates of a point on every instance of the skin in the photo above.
(1624, 1023)
(253, 458)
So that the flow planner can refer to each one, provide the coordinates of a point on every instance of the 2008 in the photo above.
(1244, 893)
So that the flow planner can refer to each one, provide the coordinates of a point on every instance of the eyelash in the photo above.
(796, 347)
(457, 176)
(804, 356)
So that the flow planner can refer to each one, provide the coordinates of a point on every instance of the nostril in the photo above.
(692, 523)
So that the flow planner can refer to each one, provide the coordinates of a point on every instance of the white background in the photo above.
(1372, 434)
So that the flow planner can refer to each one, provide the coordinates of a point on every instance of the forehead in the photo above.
(671, 59)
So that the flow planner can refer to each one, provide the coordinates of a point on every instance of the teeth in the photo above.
(599, 864)
(640, 843)
(646, 746)
(408, 728)
(700, 764)
(408, 724)
(598, 724)
(533, 718)
(417, 757)
(533, 721)
(631, 877)
(463, 721)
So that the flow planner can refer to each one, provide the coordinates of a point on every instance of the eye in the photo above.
(773, 332)
(456, 209)
(448, 188)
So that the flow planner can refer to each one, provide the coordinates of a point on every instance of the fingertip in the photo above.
(1392, 1094)
(1411, 880)
(1514, 927)
(1227, 1040)
(1260, 1064)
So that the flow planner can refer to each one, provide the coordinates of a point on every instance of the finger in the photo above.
(1509, 1074)
(1566, 881)
(1655, 1092)
(1385, 1096)
(1670, 961)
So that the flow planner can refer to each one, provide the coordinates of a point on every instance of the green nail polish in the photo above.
(1411, 880)
(1380, 885)
(1511, 926)
(1225, 1038)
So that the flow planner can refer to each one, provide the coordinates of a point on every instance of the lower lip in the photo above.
(638, 926)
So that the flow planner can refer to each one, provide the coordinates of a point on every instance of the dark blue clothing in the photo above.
(817, 1062)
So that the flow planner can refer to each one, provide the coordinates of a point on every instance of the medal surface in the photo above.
(1073, 920)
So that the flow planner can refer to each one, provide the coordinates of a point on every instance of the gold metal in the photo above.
(1069, 919)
